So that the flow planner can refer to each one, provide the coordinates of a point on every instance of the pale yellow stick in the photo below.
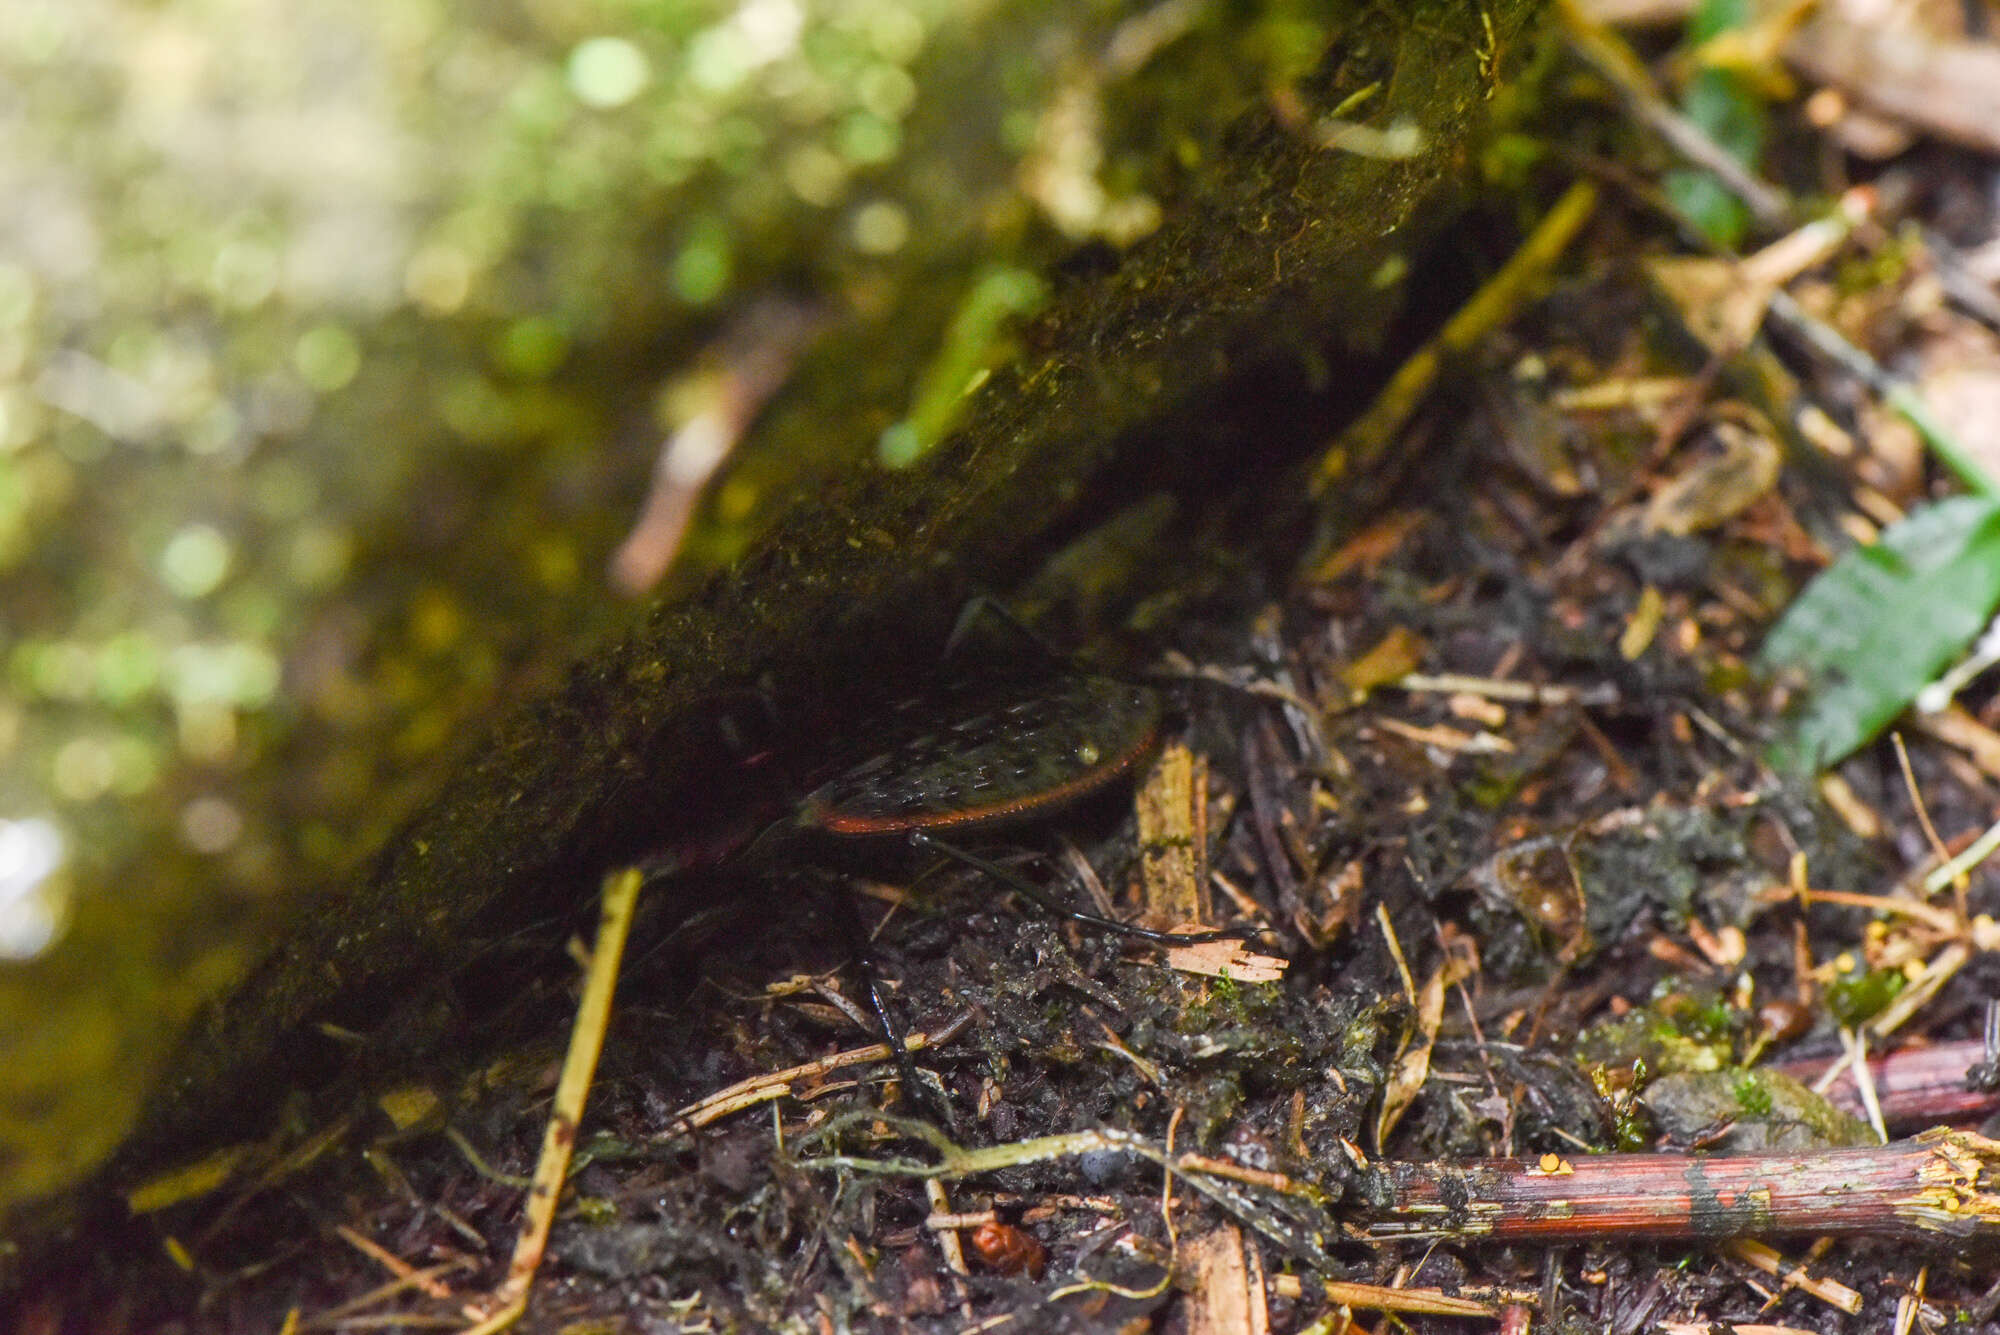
(586, 1041)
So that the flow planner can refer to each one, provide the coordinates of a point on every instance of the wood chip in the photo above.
(1224, 1301)
(1171, 853)
(1233, 960)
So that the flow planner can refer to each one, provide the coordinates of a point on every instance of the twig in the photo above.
(1758, 1256)
(1521, 692)
(1857, 1062)
(1735, 1328)
(427, 1279)
(507, 1302)
(956, 1161)
(1977, 852)
(1917, 803)
(1985, 652)
(777, 1084)
(1936, 1188)
(1915, 1085)
(1918, 992)
(1892, 389)
(405, 1273)
(1469, 1301)
(949, 1243)
(1960, 284)
(736, 377)
(1613, 61)
(1491, 306)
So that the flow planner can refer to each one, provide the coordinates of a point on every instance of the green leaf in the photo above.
(1880, 623)
(1731, 111)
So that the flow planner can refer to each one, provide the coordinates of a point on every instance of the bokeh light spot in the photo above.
(607, 72)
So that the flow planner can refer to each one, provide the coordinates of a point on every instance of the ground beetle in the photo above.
(987, 757)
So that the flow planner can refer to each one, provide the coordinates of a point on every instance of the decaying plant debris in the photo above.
(1493, 773)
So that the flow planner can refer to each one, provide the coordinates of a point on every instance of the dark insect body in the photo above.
(1020, 756)
(1011, 755)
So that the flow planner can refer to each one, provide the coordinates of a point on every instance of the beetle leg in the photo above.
(922, 1091)
(1035, 894)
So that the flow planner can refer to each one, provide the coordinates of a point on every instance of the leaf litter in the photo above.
(1539, 889)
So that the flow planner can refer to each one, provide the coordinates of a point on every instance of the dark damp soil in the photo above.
(1576, 851)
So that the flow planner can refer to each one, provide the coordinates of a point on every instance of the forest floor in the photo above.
(1488, 781)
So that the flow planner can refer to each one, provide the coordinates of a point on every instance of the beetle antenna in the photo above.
(982, 603)
(1034, 893)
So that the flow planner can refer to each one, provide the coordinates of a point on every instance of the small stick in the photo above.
(1471, 1300)
(593, 1010)
(1605, 53)
(1895, 392)
(1165, 807)
(1492, 688)
(1503, 296)
(1964, 733)
(777, 1084)
(948, 1241)
(1921, 989)
(405, 1273)
(429, 1280)
(1759, 1256)
(1938, 850)
(732, 381)
(1975, 853)
(1913, 1085)
(1856, 1044)
(1935, 1188)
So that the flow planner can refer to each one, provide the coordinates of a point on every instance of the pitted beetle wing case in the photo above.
(1018, 757)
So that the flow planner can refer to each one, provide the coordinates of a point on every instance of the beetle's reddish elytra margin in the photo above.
(1021, 756)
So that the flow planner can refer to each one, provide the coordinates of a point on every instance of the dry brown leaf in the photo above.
(1368, 549)
(1393, 657)
(1719, 486)
(1965, 398)
(1947, 88)
(1715, 303)
(1413, 1064)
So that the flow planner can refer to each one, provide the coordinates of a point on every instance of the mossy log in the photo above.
(1272, 251)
